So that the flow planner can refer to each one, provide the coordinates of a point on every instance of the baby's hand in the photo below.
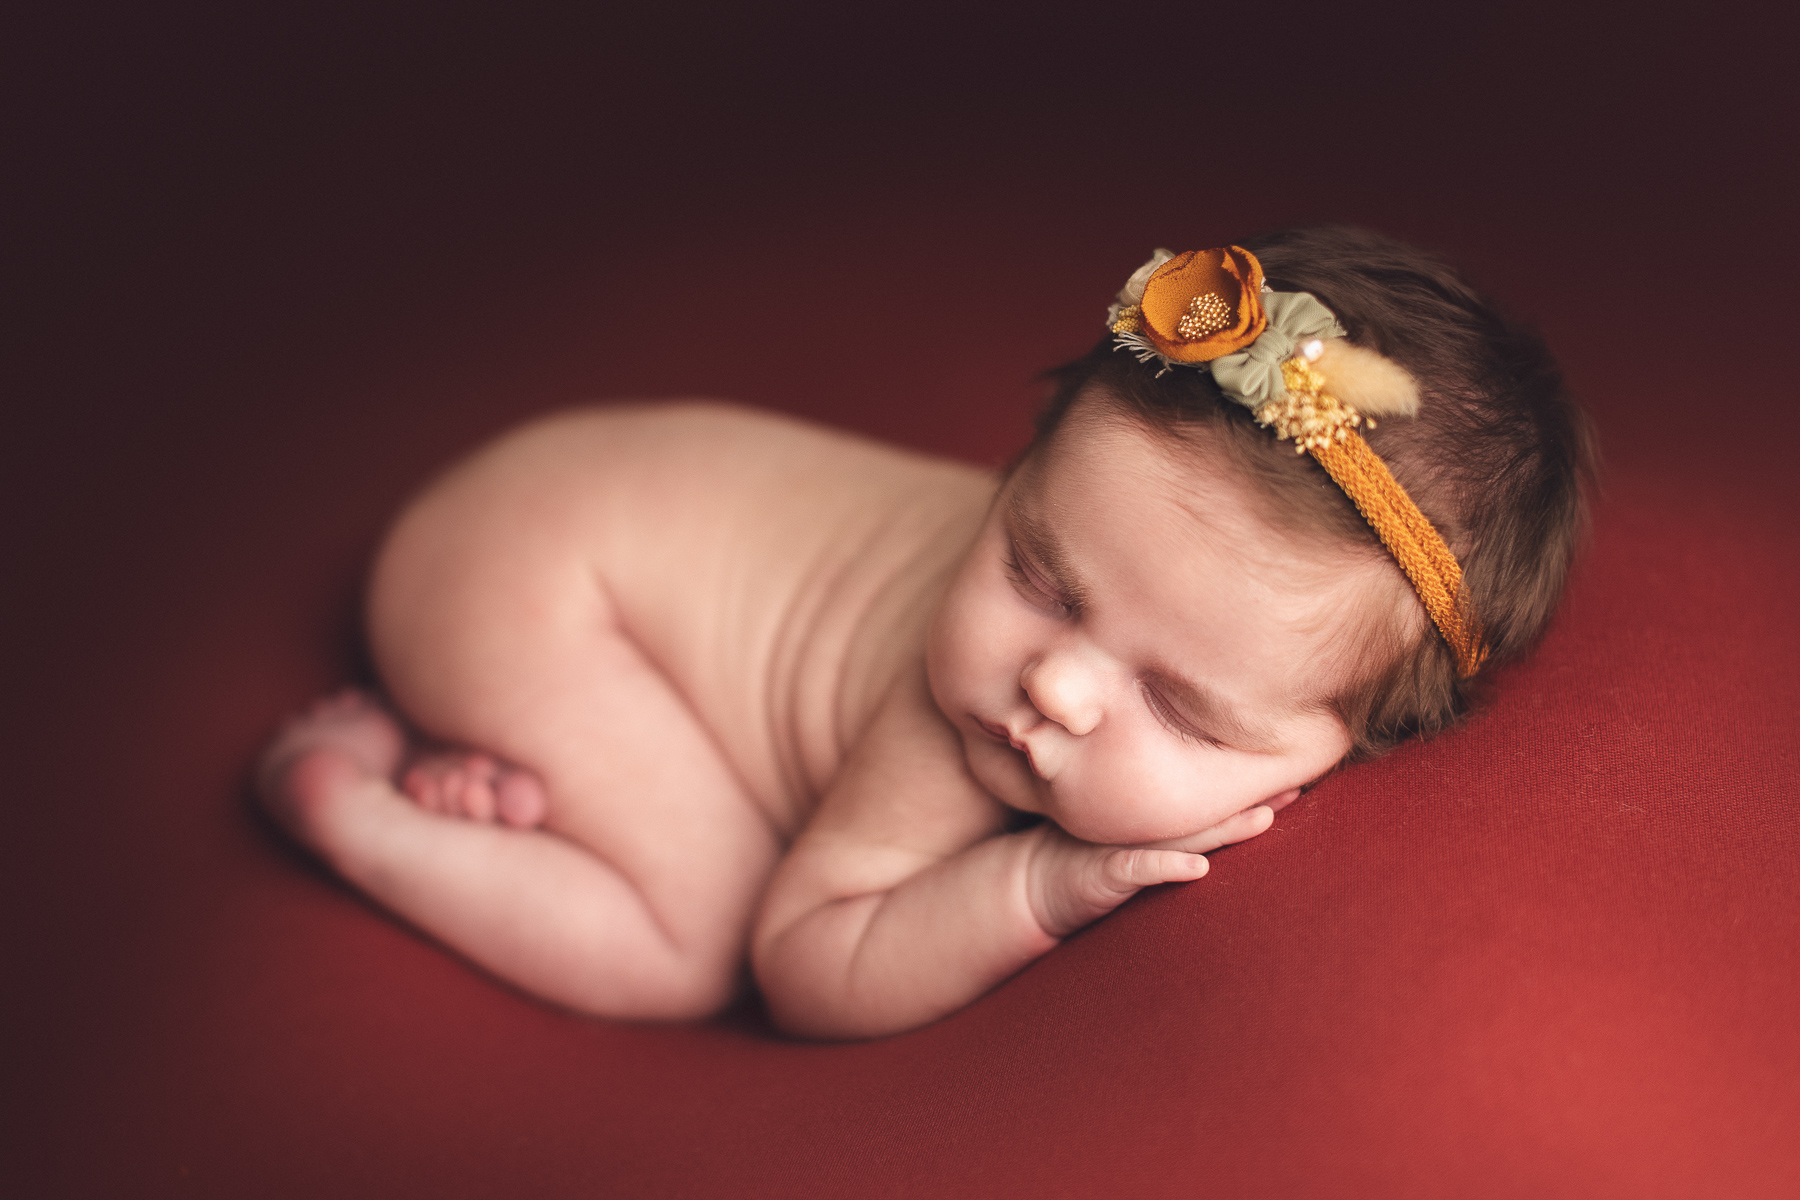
(1072, 883)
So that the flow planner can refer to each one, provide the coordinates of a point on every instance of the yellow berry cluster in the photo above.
(1129, 319)
(1308, 414)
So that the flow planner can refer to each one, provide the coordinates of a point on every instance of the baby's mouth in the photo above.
(1000, 734)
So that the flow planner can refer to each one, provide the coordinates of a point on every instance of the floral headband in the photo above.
(1283, 356)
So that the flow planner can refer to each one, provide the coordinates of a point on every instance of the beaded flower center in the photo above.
(1205, 314)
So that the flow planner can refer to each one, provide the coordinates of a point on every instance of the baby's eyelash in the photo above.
(1166, 714)
(1022, 578)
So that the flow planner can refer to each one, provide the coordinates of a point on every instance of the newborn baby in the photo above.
(701, 683)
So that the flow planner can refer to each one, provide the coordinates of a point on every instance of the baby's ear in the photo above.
(1369, 383)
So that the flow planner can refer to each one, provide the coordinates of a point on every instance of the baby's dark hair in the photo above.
(1499, 457)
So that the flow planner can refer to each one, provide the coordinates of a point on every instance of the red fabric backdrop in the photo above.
(274, 268)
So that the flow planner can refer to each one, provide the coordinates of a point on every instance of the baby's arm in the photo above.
(904, 900)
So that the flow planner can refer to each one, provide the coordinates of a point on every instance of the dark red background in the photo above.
(270, 268)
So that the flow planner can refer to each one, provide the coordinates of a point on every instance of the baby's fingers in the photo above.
(1243, 826)
(1126, 869)
(1072, 883)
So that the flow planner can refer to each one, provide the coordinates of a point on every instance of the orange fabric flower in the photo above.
(1204, 304)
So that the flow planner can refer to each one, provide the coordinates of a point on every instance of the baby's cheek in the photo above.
(945, 651)
(1155, 795)
(947, 668)
(967, 647)
(1116, 798)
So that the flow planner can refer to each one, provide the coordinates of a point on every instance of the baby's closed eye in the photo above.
(1172, 717)
(1031, 583)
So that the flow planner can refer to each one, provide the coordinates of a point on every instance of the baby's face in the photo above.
(1132, 651)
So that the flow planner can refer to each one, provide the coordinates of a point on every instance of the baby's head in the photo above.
(1170, 616)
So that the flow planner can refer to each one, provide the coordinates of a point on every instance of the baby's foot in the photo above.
(341, 742)
(460, 783)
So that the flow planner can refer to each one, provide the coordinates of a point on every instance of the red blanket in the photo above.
(1550, 954)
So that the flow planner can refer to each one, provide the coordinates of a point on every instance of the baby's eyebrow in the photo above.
(1039, 540)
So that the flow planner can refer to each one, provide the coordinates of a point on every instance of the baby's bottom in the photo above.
(635, 894)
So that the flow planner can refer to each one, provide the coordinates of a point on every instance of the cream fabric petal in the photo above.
(1133, 291)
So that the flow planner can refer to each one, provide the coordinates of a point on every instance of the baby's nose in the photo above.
(1061, 688)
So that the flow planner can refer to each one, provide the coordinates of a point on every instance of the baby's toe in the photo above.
(520, 799)
(454, 782)
(424, 783)
(477, 796)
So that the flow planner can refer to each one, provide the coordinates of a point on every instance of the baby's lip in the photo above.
(997, 732)
(1001, 734)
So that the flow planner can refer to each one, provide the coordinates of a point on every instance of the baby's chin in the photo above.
(1002, 771)
(1005, 774)
(1096, 815)
(1112, 833)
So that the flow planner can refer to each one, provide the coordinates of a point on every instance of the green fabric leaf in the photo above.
(1252, 376)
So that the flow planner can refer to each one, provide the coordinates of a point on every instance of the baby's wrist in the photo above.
(1050, 855)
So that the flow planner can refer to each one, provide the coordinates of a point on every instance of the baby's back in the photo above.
(779, 574)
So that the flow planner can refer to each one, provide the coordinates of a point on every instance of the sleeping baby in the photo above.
(674, 688)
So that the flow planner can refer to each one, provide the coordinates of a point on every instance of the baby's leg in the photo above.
(634, 896)
(537, 909)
